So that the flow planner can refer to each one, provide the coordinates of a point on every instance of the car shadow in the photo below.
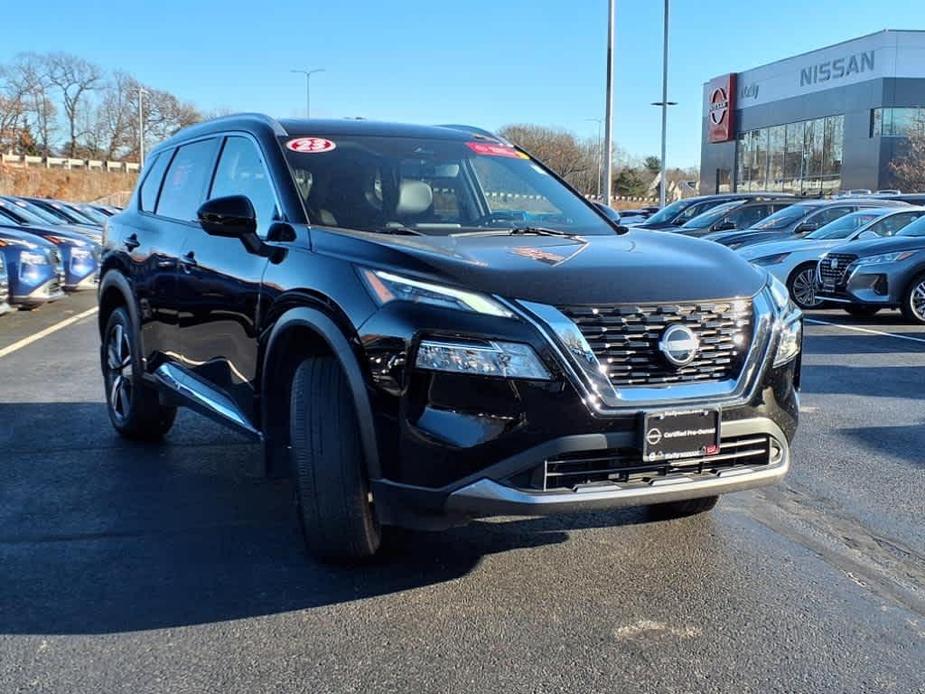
(866, 381)
(100, 535)
(904, 441)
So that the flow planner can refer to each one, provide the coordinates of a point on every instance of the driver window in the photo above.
(241, 171)
(893, 223)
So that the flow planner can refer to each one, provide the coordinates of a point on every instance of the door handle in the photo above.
(131, 242)
(188, 261)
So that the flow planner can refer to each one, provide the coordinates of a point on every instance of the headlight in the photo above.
(885, 258)
(386, 287)
(790, 319)
(770, 259)
(33, 258)
(505, 359)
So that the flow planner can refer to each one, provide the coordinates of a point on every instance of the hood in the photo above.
(76, 238)
(21, 237)
(639, 266)
(885, 245)
(791, 245)
(746, 237)
(656, 227)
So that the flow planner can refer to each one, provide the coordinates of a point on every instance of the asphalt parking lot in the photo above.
(131, 568)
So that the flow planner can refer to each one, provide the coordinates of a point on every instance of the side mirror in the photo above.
(230, 217)
(724, 225)
(806, 227)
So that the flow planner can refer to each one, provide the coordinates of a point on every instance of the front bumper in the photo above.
(875, 285)
(505, 487)
(46, 292)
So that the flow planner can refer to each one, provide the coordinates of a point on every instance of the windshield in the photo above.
(711, 216)
(669, 212)
(431, 186)
(916, 228)
(843, 227)
(13, 214)
(785, 217)
(34, 214)
(93, 215)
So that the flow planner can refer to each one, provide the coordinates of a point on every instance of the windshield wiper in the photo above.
(399, 229)
(543, 231)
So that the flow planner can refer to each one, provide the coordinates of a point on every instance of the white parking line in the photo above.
(866, 330)
(26, 341)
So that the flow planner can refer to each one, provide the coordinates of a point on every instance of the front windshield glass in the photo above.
(431, 186)
(843, 227)
(93, 215)
(784, 217)
(33, 213)
(13, 214)
(711, 216)
(669, 212)
(916, 228)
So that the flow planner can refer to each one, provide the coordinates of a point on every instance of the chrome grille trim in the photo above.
(837, 275)
(625, 339)
(581, 367)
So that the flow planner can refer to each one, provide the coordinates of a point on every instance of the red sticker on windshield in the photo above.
(490, 150)
(310, 145)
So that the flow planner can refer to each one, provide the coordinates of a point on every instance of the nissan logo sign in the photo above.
(719, 104)
(679, 345)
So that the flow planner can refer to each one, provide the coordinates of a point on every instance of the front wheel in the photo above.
(133, 406)
(681, 509)
(861, 311)
(802, 286)
(913, 307)
(336, 510)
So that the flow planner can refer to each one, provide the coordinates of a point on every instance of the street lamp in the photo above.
(600, 149)
(608, 106)
(141, 127)
(308, 95)
(664, 104)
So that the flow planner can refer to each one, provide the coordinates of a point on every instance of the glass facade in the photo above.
(896, 122)
(802, 157)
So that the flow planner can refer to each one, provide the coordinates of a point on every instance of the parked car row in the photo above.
(48, 247)
(863, 252)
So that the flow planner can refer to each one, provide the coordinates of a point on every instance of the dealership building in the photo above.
(832, 119)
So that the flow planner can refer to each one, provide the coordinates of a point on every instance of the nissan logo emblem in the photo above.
(833, 263)
(719, 104)
(653, 436)
(679, 345)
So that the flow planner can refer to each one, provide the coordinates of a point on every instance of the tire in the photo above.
(861, 311)
(801, 285)
(681, 509)
(133, 406)
(913, 306)
(338, 520)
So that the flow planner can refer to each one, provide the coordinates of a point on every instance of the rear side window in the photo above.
(241, 171)
(186, 181)
(152, 180)
(746, 217)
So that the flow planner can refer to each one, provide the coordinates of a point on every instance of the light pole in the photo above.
(600, 150)
(141, 127)
(664, 103)
(308, 93)
(608, 107)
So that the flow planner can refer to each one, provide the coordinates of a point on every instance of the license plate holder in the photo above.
(674, 434)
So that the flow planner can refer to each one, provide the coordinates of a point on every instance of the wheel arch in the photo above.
(299, 333)
(115, 291)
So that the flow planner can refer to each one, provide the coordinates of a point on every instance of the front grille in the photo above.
(835, 275)
(625, 465)
(624, 338)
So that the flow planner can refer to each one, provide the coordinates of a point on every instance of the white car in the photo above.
(793, 261)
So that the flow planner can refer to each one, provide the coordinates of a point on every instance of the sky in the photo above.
(481, 62)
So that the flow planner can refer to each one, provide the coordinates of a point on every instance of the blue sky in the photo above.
(484, 62)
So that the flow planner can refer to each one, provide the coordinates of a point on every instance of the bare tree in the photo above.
(73, 77)
(909, 168)
(575, 161)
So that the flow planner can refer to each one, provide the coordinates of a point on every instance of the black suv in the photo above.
(427, 325)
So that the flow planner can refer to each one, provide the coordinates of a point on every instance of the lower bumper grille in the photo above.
(625, 465)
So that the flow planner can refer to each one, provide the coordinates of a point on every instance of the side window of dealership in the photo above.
(825, 121)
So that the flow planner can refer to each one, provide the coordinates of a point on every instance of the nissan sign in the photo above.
(720, 95)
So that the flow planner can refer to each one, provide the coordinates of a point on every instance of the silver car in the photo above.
(793, 261)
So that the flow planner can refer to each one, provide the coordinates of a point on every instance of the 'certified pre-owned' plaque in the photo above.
(680, 434)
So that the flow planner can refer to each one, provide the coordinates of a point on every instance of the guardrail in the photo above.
(26, 160)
